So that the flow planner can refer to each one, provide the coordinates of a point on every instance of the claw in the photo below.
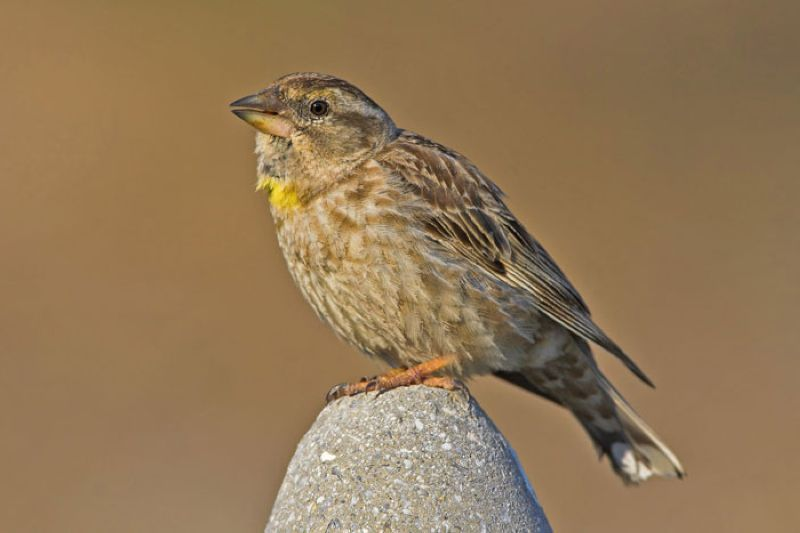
(336, 392)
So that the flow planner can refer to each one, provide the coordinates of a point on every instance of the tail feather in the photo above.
(635, 451)
(642, 454)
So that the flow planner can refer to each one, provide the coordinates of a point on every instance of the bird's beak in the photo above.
(262, 112)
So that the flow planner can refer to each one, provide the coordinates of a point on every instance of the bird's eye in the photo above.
(319, 108)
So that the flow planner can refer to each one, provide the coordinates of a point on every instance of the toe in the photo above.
(446, 383)
(336, 392)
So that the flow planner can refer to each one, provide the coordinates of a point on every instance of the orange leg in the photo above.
(421, 374)
(392, 372)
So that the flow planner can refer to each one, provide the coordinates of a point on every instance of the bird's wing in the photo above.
(464, 212)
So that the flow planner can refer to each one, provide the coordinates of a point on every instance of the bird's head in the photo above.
(319, 124)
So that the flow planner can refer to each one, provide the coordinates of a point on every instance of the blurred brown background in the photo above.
(157, 366)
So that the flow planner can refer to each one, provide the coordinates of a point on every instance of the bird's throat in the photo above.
(281, 195)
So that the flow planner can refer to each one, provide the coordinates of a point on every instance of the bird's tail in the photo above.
(634, 450)
(640, 453)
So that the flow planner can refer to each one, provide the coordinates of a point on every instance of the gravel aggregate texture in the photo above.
(410, 459)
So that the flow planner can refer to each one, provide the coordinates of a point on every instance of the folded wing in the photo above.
(468, 217)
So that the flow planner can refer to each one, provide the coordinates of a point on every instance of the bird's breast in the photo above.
(354, 264)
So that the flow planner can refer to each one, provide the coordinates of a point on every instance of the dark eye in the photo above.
(319, 108)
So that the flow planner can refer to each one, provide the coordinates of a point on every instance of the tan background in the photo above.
(156, 364)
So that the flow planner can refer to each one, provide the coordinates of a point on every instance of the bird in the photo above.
(409, 253)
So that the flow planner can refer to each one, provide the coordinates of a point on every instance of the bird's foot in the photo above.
(399, 377)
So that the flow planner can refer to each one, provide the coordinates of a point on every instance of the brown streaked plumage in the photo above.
(410, 254)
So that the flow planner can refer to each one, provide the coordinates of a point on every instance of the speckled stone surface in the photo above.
(411, 459)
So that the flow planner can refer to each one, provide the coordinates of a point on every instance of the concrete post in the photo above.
(411, 459)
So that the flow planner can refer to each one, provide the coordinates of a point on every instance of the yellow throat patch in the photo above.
(281, 195)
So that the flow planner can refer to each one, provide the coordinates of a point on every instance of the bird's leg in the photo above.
(442, 382)
(421, 374)
(388, 374)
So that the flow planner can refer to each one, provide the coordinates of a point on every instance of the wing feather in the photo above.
(464, 211)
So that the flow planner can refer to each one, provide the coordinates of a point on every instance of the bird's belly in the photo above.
(381, 291)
